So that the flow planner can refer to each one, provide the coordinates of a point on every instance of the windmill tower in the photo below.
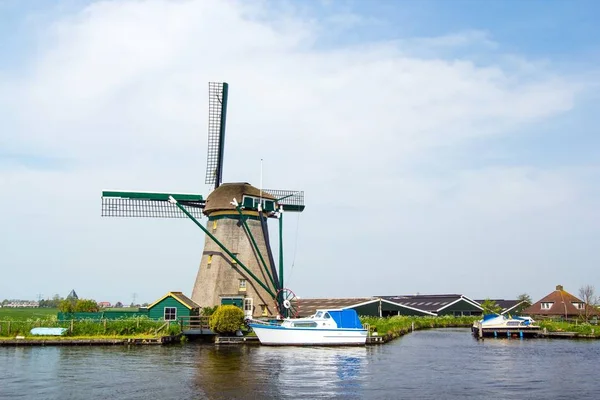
(237, 265)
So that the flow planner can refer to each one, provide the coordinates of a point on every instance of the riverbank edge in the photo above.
(91, 341)
(396, 327)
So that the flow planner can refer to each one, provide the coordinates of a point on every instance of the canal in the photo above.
(433, 364)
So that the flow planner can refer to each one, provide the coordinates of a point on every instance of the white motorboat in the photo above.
(324, 328)
(502, 326)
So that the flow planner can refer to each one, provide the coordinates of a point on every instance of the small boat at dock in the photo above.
(493, 325)
(324, 328)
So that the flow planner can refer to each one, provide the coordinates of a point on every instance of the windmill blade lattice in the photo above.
(291, 200)
(149, 205)
(217, 114)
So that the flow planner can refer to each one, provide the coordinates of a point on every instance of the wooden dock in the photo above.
(237, 340)
(375, 340)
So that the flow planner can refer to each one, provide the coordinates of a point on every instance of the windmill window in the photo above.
(170, 313)
(269, 206)
(546, 306)
(579, 306)
(242, 285)
(248, 202)
(264, 310)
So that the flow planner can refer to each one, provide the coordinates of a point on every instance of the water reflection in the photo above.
(279, 372)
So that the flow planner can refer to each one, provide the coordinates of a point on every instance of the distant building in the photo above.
(438, 304)
(21, 304)
(386, 306)
(560, 304)
(104, 304)
(72, 295)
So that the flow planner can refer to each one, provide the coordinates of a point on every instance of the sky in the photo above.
(443, 146)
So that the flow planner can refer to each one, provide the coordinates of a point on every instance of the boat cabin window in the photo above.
(326, 316)
(319, 314)
(305, 324)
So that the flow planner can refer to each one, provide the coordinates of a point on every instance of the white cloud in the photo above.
(119, 89)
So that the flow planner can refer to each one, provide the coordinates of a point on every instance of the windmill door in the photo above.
(248, 307)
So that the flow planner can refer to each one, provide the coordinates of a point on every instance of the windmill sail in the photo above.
(149, 204)
(291, 200)
(217, 114)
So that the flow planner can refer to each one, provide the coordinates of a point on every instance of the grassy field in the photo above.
(23, 314)
(580, 328)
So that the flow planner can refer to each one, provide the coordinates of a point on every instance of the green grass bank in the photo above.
(393, 327)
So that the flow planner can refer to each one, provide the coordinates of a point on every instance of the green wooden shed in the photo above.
(172, 307)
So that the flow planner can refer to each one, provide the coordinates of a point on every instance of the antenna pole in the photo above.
(281, 246)
(261, 177)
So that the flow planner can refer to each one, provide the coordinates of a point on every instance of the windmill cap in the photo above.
(220, 199)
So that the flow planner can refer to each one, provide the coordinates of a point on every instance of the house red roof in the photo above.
(560, 303)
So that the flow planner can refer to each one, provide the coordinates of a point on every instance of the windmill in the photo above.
(237, 265)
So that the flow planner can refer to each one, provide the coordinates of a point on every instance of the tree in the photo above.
(490, 307)
(525, 301)
(66, 306)
(226, 319)
(119, 305)
(86, 305)
(587, 294)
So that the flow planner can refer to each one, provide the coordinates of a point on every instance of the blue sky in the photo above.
(474, 122)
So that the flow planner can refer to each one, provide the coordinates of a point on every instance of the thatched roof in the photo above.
(220, 199)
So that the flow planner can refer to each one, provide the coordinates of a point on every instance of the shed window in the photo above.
(170, 313)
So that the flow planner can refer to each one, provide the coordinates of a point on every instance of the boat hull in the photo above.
(275, 335)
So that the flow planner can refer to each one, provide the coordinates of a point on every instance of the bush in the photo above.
(226, 319)
(208, 311)
(67, 306)
(84, 305)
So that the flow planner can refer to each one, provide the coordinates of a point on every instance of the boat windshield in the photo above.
(319, 314)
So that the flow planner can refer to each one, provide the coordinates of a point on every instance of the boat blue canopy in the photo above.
(346, 318)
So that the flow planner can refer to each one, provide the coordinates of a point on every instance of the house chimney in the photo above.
(559, 287)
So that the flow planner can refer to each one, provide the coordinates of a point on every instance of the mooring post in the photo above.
(480, 329)
(9, 327)
(71, 330)
(412, 326)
